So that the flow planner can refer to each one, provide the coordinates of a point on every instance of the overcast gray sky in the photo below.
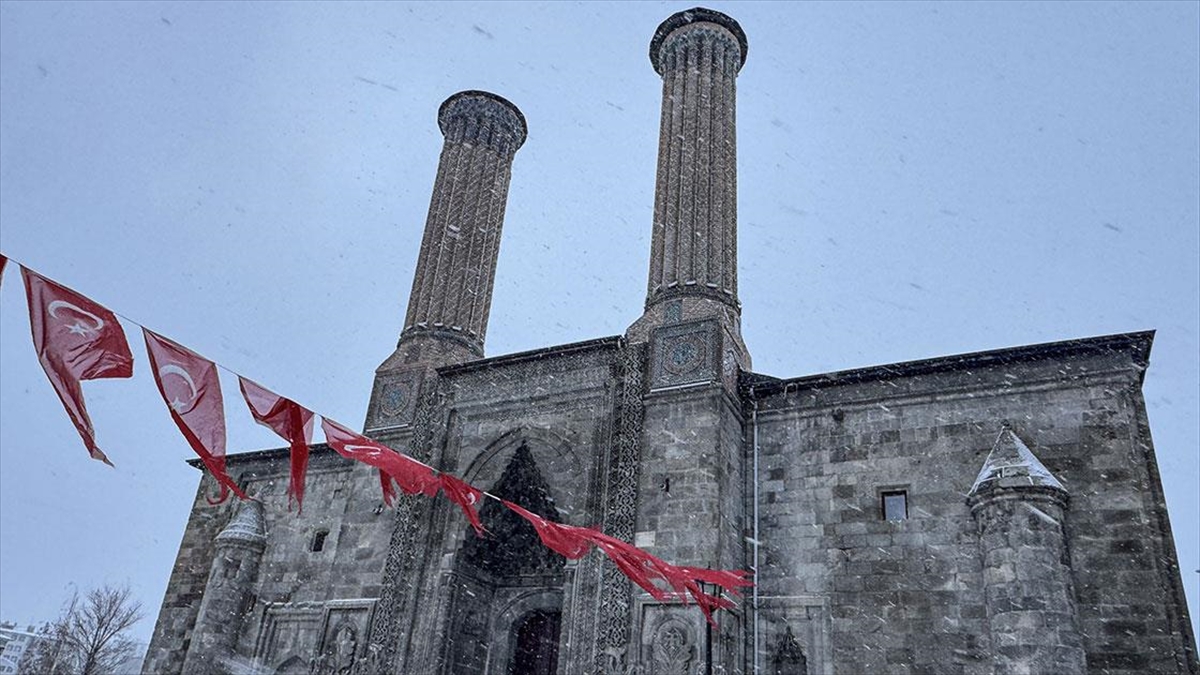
(251, 180)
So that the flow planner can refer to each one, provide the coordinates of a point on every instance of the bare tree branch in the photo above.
(88, 636)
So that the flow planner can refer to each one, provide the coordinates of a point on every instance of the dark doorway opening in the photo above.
(536, 648)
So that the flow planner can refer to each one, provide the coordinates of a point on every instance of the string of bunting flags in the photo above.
(78, 339)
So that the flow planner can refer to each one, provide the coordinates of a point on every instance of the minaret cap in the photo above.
(484, 105)
(696, 15)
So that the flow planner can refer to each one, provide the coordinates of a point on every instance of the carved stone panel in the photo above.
(394, 400)
(289, 635)
(671, 639)
(344, 628)
(685, 353)
(793, 636)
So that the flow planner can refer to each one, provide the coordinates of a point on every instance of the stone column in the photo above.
(1019, 507)
(698, 52)
(228, 593)
(452, 290)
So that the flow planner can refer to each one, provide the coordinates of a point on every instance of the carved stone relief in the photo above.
(344, 624)
(394, 399)
(684, 353)
(674, 649)
(794, 636)
(787, 656)
(620, 516)
(671, 638)
(288, 635)
(403, 552)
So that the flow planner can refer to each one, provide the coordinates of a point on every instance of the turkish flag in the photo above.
(730, 580)
(389, 488)
(3, 262)
(566, 540)
(191, 389)
(412, 476)
(686, 578)
(639, 566)
(291, 421)
(466, 496)
(76, 339)
(643, 569)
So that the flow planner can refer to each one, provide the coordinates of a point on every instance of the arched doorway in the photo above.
(535, 643)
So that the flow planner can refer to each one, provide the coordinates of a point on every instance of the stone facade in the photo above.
(989, 513)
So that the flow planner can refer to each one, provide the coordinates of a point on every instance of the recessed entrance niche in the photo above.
(506, 606)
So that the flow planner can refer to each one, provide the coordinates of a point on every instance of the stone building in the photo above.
(997, 512)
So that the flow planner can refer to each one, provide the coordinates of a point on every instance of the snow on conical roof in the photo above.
(246, 525)
(1012, 464)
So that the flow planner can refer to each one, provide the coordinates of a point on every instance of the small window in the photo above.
(318, 541)
(895, 504)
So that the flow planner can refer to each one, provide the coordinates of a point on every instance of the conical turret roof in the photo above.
(1012, 464)
(246, 526)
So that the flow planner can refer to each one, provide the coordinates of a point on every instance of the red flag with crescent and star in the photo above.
(191, 389)
(290, 421)
(76, 339)
(412, 476)
(466, 496)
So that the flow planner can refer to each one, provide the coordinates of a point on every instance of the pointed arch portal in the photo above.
(506, 603)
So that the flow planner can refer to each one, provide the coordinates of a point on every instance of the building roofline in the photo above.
(266, 454)
(756, 385)
(532, 355)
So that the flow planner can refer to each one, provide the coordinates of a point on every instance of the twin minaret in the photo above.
(456, 270)
(694, 251)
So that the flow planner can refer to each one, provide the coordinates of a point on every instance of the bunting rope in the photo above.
(78, 339)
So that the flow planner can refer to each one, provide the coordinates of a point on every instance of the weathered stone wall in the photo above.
(301, 597)
(908, 596)
(303, 593)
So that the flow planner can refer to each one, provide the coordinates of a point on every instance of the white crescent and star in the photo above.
(173, 369)
(78, 327)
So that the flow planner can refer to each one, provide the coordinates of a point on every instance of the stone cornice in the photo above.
(484, 118)
(690, 17)
(1136, 345)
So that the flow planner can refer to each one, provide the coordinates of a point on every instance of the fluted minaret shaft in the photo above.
(452, 289)
(698, 52)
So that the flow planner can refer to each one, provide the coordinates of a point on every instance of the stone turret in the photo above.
(228, 593)
(1020, 507)
(456, 269)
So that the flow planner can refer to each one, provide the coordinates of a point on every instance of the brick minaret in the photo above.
(456, 269)
(693, 250)
(452, 289)
(698, 53)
